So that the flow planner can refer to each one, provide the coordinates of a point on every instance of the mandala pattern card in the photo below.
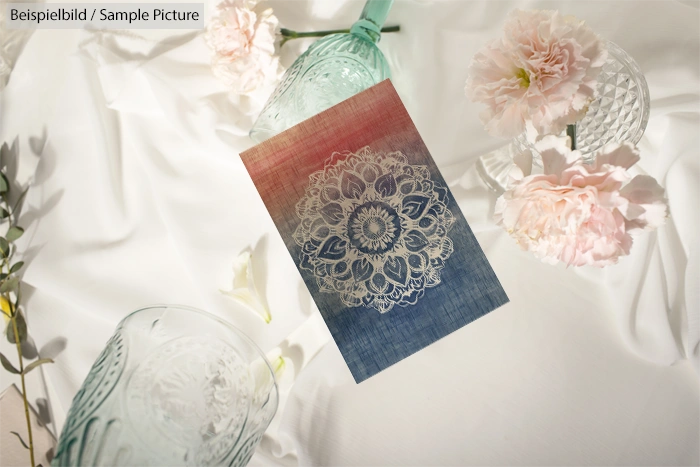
(374, 230)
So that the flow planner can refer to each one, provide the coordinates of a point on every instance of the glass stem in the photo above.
(369, 26)
(288, 34)
(571, 133)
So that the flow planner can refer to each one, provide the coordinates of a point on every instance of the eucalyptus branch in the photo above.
(18, 344)
(16, 330)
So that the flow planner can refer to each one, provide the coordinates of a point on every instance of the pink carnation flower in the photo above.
(543, 70)
(242, 38)
(581, 214)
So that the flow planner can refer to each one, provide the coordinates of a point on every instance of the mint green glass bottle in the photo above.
(331, 70)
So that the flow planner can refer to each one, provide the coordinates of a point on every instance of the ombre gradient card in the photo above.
(374, 230)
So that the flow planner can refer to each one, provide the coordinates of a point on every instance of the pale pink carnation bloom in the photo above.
(544, 69)
(580, 214)
(242, 38)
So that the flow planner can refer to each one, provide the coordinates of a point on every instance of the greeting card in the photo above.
(373, 229)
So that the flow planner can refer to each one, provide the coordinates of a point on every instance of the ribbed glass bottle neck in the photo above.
(372, 19)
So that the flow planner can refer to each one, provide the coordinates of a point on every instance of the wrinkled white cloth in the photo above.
(140, 197)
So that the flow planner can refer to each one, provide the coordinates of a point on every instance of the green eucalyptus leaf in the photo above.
(10, 333)
(16, 267)
(10, 284)
(21, 329)
(4, 213)
(7, 365)
(3, 275)
(20, 439)
(36, 363)
(14, 233)
(4, 246)
(4, 185)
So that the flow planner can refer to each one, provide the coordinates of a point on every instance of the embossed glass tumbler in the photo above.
(331, 70)
(174, 386)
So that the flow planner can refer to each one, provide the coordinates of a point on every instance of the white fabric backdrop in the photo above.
(140, 197)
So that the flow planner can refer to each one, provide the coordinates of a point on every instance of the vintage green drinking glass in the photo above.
(334, 68)
(174, 386)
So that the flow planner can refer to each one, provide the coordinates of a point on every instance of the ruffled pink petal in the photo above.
(242, 41)
(580, 214)
(523, 161)
(552, 60)
(620, 154)
(556, 154)
(648, 207)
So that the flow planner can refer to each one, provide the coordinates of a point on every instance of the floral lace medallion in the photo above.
(374, 229)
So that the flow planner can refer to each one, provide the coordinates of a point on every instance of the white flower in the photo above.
(242, 38)
(244, 289)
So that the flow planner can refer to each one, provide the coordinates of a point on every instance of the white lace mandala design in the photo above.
(374, 229)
